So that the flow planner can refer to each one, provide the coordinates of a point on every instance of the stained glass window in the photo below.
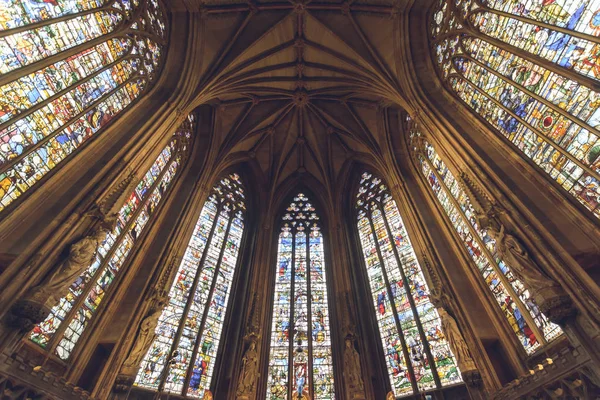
(68, 68)
(417, 354)
(300, 360)
(182, 357)
(530, 69)
(531, 327)
(61, 330)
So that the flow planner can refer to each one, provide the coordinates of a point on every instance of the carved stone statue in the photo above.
(249, 371)
(145, 336)
(456, 341)
(81, 256)
(514, 254)
(352, 370)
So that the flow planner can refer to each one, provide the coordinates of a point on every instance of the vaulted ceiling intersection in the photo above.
(300, 85)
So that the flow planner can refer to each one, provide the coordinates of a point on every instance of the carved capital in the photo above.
(558, 308)
(25, 314)
(472, 378)
(123, 383)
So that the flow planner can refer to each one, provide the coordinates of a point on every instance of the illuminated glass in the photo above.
(418, 356)
(531, 327)
(61, 330)
(189, 329)
(67, 69)
(531, 70)
(300, 364)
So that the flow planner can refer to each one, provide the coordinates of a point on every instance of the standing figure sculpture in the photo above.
(145, 335)
(81, 255)
(352, 370)
(456, 341)
(249, 372)
(514, 254)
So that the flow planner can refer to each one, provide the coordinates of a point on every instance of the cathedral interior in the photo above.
(299, 199)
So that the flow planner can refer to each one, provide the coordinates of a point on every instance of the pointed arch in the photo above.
(68, 69)
(531, 71)
(530, 326)
(182, 356)
(64, 326)
(300, 356)
(418, 357)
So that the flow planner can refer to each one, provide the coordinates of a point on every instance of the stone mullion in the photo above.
(11, 163)
(549, 65)
(551, 143)
(207, 305)
(62, 55)
(542, 100)
(188, 304)
(58, 335)
(393, 305)
(309, 318)
(66, 90)
(508, 286)
(413, 306)
(41, 24)
(579, 35)
(291, 322)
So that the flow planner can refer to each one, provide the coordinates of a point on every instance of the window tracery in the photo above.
(531, 327)
(531, 70)
(182, 357)
(300, 359)
(64, 326)
(68, 68)
(418, 356)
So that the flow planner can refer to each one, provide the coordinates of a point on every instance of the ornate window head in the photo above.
(67, 69)
(418, 357)
(182, 357)
(531, 326)
(531, 70)
(300, 359)
(62, 329)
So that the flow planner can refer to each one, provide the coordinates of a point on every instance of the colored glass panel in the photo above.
(301, 364)
(65, 324)
(183, 354)
(417, 353)
(62, 83)
(511, 295)
(527, 68)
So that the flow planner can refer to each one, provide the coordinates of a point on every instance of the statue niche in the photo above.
(145, 334)
(81, 255)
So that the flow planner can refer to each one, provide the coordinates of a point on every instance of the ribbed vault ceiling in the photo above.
(299, 85)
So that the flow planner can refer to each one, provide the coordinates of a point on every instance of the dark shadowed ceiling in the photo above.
(300, 86)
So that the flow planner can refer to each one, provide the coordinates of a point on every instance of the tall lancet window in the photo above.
(68, 68)
(531, 69)
(182, 357)
(531, 327)
(417, 354)
(300, 360)
(61, 330)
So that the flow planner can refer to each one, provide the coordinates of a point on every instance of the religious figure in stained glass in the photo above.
(300, 359)
(417, 353)
(67, 69)
(62, 329)
(529, 324)
(182, 356)
(531, 70)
